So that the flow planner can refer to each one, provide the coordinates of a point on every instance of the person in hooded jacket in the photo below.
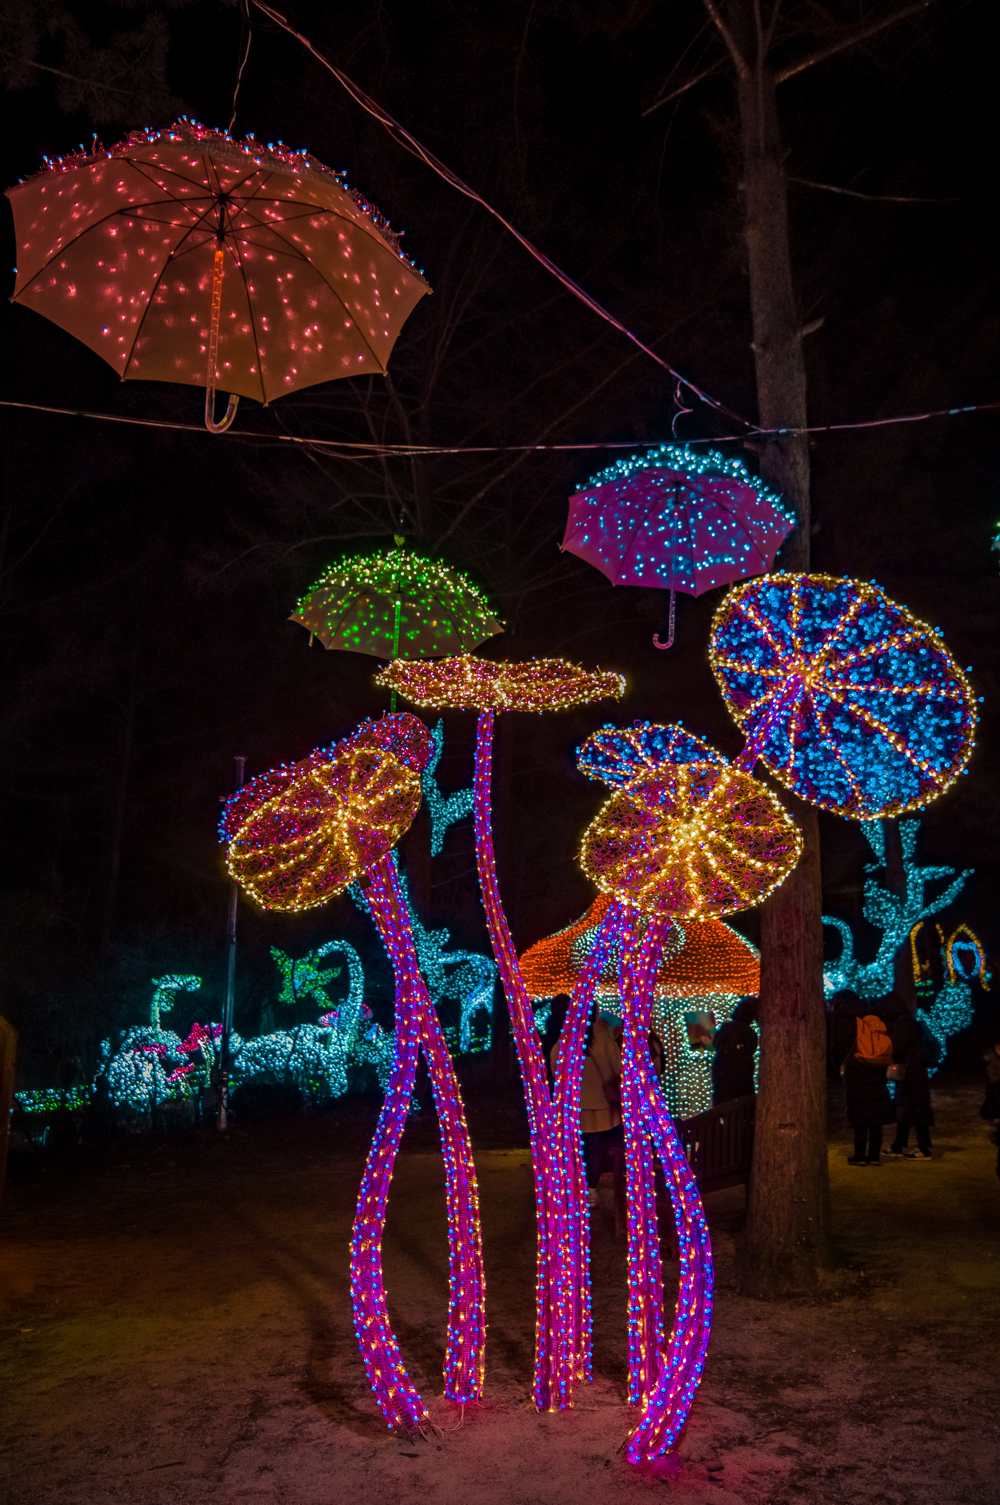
(866, 1092)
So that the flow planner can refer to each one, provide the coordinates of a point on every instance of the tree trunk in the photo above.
(903, 981)
(788, 1214)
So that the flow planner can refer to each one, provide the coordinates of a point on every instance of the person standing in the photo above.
(735, 1054)
(990, 1109)
(864, 1045)
(914, 1051)
(601, 1117)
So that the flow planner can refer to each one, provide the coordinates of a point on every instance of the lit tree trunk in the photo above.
(787, 1222)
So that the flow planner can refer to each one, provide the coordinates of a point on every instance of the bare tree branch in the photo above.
(740, 62)
(691, 83)
(851, 39)
(873, 198)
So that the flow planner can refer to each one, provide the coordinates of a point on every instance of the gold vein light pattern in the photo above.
(333, 820)
(844, 695)
(396, 603)
(691, 841)
(183, 255)
(480, 684)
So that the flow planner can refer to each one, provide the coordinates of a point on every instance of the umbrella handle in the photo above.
(671, 617)
(214, 425)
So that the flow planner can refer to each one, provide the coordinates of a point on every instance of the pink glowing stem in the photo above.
(465, 1350)
(575, 1357)
(645, 1326)
(416, 1025)
(551, 1388)
(666, 1405)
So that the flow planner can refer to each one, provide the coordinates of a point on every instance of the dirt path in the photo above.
(177, 1329)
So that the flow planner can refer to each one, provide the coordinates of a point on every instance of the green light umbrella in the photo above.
(396, 603)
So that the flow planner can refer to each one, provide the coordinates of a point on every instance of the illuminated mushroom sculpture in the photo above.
(297, 836)
(677, 841)
(486, 686)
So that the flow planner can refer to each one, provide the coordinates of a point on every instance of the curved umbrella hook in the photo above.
(671, 617)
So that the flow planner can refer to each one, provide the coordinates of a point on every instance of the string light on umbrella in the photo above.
(675, 518)
(184, 255)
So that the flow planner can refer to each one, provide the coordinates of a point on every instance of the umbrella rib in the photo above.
(147, 168)
(234, 251)
(66, 246)
(730, 509)
(152, 294)
(327, 283)
(369, 234)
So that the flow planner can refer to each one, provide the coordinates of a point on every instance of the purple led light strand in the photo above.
(417, 1026)
(645, 1322)
(667, 1406)
(549, 1177)
(396, 1396)
(784, 702)
(465, 1349)
(576, 1354)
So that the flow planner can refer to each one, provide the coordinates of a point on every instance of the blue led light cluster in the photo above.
(845, 696)
(896, 917)
(615, 755)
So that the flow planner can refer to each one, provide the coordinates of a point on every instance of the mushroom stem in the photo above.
(552, 1386)
(417, 1027)
(680, 1362)
(576, 1354)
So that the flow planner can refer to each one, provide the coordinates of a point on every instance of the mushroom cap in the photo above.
(615, 755)
(849, 699)
(330, 822)
(712, 958)
(692, 840)
(466, 683)
(403, 735)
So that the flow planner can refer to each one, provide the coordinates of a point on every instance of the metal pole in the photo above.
(227, 1012)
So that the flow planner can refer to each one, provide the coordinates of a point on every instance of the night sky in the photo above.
(158, 569)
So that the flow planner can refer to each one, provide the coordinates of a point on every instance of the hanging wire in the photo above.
(409, 143)
(246, 30)
(357, 449)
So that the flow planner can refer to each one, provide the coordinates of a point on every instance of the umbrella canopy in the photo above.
(396, 601)
(676, 519)
(702, 958)
(843, 694)
(185, 255)
(691, 840)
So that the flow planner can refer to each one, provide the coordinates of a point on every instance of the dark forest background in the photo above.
(146, 577)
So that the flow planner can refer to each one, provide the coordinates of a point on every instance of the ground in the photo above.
(177, 1328)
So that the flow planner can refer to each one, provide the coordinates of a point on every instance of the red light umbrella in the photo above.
(184, 255)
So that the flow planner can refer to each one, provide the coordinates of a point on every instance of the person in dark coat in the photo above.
(735, 1054)
(553, 1029)
(912, 1054)
(990, 1109)
(866, 1092)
